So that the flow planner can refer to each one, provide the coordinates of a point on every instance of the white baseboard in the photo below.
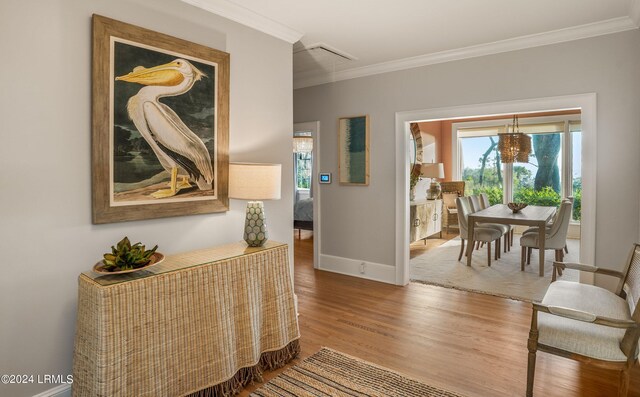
(58, 391)
(353, 267)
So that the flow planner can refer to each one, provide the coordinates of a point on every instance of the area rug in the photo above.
(440, 266)
(334, 374)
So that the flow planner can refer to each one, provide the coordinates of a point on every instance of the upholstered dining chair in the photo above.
(588, 323)
(478, 204)
(555, 238)
(534, 229)
(508, 236)
(484, 234)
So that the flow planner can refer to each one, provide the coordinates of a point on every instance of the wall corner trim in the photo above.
(249, 18)
(352, 267)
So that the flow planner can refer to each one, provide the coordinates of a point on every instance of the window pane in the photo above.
(303, 170)
(576, 147)
(482, 168)
(538, 182)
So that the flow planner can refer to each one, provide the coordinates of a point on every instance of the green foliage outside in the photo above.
(541, 187)
(545, 196)
(494, 193)
(303, 170)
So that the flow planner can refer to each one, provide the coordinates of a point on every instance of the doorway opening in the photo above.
(513, 182)
(306, 211)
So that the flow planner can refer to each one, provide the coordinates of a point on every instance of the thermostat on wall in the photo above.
(325, 177)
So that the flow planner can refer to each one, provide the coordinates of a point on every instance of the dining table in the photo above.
(532, 215)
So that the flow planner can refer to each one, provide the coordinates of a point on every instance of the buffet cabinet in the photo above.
(425, 219)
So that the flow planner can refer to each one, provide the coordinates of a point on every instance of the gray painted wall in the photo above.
(46, 235)
(359, 222)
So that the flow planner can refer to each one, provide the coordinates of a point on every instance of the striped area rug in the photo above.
(334, 374)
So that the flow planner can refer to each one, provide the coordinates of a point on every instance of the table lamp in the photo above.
(254, 182)
(433, 171)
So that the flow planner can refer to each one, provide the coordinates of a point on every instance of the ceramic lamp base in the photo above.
(255, 224)
(434, 191)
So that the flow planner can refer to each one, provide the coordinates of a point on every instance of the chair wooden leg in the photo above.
(461, 250)
(496, 255)
(489, 253)
(506, 242)
(566, 249)
(623, 386)
(561, 254)
(523, 257)
(511, 238)
(532, 345)
(529, 252)
(477, 245)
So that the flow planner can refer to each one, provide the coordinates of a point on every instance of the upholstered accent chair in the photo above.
(484, 234)
(555, 237)
(451, 190)
(588, 323)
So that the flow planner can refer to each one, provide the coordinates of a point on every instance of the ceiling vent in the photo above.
(318, 57)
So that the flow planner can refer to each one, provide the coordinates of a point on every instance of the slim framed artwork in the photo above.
(353, 150)
(160, 121)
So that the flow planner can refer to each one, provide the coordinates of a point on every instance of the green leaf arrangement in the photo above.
(125, 256)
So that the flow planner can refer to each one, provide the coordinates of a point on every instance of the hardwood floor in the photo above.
(469, 343)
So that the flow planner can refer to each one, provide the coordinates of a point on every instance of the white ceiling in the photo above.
(384, 35)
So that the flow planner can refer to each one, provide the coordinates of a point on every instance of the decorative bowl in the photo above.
(155, 259)
(516, 207)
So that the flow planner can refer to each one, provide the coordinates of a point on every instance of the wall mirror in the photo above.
(415, 153)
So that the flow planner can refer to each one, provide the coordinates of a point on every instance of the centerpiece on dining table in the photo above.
(516, 207)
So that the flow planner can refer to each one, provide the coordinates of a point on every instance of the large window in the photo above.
(303, 162)
(552, 172)
(482, 169)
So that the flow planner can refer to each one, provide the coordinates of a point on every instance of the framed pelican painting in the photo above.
(160, 125)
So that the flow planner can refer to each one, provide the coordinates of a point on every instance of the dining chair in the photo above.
(451, 190)
(449, 209)
(508, 236)
(478, 204)
(555, 238)
(484, 234)
(589, 324)
(534, 229)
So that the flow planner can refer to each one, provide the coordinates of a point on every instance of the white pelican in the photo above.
(178, 149)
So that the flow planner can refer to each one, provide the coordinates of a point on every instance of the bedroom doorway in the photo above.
(306, 211)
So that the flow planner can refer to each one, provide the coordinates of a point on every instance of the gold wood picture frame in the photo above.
(160, 125)
(353, 150)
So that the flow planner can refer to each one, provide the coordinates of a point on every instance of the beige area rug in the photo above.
(440, 266)
(333, 374)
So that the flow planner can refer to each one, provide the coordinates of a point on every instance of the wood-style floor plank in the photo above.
(469, 343)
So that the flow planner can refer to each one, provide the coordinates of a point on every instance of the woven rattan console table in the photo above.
(204, 323)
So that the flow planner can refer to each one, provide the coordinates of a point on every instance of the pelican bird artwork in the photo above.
(179, 150)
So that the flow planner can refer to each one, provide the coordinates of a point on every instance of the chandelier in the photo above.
(514, 146)
(302, 144)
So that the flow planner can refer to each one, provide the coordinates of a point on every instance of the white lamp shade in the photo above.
(432, 170)
(254, 181)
